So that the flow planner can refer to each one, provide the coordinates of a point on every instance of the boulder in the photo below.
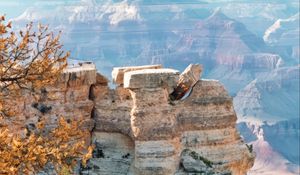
(118, 72)
(187, 79)
(151, 78)
(190, 75)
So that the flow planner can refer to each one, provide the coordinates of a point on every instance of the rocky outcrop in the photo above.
(68, 98)
(139, 127)
(207, 120)
(196, 134)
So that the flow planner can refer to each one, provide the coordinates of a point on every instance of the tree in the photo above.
(28, 61)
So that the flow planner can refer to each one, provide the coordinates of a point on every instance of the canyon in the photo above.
(251, 48)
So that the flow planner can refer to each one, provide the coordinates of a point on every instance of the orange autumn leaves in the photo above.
(26, 155)
(28, 61)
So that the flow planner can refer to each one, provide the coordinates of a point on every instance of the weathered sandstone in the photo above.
(187, 80)
(118, 72)
(139, 128)
(194, 135)
(68, 98)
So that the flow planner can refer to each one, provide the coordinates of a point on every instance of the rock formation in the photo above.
(139, 127)
(141, 130)
(68, 98)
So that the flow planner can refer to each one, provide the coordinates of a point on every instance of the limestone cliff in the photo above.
(156, 120)
(140, 129)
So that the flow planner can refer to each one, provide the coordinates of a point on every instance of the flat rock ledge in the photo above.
(151, 78)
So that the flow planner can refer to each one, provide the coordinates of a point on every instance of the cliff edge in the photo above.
(156, 120)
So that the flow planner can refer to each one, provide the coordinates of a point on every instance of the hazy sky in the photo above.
(14, 8)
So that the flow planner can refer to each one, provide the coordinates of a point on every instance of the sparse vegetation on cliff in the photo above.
(29, 61)
(196, 156)
(250, 147)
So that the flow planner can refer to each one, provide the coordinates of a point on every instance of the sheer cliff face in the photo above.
(139, 130)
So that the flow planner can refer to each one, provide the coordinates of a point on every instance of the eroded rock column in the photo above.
(209, 138)
(153, 120)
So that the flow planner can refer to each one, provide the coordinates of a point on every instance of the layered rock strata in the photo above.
(194, 135)
(68, 98)
(138, 128)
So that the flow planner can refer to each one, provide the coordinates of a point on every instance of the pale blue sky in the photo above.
(14, 8)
